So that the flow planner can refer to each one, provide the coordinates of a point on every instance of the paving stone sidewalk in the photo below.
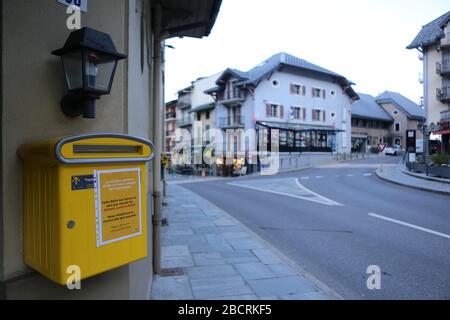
(397, 175)
(221, 259)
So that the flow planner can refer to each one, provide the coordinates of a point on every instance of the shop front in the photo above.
(295, 138)
(443, 129)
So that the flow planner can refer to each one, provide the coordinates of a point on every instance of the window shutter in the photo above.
(281, 112)
(304, 114)
(313, 115)
(324, 116)
(292, 88)
(324, 92)
(267, 110)
(304, 90)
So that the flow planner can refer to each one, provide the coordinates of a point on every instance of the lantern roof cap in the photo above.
(87, 38)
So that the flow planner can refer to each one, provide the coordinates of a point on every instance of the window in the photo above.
(274, 110)
(333, 93)
(276, 83)
(207, 115)
(396, 112)
(318, 93)
(298, 113)
(318, 115)
(397, 127)
(298, 89)
(199, 117)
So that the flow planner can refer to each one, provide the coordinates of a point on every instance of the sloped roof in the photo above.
(431, 33)
(282, 58)
(367, 108)
(412, 109)
(254, 76)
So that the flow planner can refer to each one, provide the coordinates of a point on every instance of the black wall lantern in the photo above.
(90, 59)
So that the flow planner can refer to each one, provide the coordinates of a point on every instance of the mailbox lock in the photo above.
(71, 224)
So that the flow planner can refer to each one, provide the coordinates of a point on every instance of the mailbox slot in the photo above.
(83, 148)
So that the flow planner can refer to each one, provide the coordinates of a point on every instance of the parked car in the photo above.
(393, 150)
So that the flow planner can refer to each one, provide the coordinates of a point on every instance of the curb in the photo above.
(379, 175)
(415, 175)
(300, 271)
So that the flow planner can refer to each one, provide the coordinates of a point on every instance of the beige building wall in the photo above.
(432, 82)
(32, 86)
(405, 123)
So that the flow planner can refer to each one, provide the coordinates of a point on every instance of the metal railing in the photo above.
(187, 121)
(445, 42)
(443, 94)
(170, 133)
(230, 122)
(184, 102)
(443, 67)
(171, 115)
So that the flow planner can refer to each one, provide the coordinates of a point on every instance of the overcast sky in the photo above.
(364, 40)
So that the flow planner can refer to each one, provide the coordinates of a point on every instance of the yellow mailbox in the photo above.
(85, 203)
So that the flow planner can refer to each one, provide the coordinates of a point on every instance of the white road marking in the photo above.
(405, 224)
(319, 177)
(350, 175)
(318, 195)
(304, 178)
(282, 194)
(367, 174)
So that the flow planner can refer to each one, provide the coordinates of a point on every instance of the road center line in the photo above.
(405, 224)
(318, 195)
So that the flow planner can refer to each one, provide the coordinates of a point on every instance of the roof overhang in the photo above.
(362, 117)
(193, 18)
(442, 132)
(205, 107)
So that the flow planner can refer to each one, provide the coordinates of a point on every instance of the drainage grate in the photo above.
(172, 272)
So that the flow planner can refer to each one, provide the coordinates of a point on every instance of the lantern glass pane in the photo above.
(73, 70)
(99, 71)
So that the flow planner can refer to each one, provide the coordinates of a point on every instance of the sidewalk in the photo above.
(397, 175)
(207, 254)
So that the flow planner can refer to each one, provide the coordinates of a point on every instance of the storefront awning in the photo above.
(442, 132)
(296, 127)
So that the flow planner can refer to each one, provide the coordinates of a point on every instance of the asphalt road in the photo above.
(336, 221)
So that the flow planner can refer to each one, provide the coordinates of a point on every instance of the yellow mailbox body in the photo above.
(85, 203)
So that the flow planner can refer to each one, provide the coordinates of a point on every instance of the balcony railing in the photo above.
(445, 42)
(171, 115)
(443, 68)
(231, 99)
(185, 122)
(232, 122)
(184, 102)
(443, 94)
(170, 133)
